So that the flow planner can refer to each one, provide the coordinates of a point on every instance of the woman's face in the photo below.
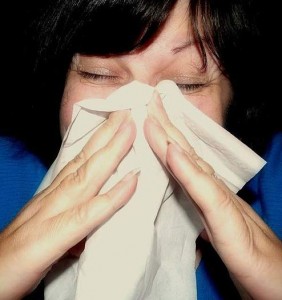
(171, 55)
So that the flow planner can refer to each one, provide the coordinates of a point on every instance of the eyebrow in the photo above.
(182, 47)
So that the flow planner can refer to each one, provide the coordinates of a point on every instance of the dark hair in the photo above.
(227, 29)
(237, 34)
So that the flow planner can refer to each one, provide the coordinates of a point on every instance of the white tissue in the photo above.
(147, 249)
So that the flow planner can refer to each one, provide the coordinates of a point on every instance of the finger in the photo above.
(156, 137)
(86, 182)
(158, 140)
(38, 245)
(160, 144)
(157, 112)
(159, 131)
(211, 194)
(98, 140)
(62, 232)
(218, 205)
(124, 130)
(248, 210)
(202, 186)
(244, 242)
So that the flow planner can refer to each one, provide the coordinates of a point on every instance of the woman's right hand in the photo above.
(68, 210)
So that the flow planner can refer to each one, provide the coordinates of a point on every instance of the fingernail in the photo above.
(131, 174)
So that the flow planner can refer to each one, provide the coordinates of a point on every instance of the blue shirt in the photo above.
(20, 174)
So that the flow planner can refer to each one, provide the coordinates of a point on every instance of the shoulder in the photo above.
(271, 175)
(274, 154)
(20, 174)
(14, 156)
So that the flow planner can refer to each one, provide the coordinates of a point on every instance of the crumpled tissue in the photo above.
(147, 249)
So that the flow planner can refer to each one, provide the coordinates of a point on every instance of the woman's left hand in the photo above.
(248, 247)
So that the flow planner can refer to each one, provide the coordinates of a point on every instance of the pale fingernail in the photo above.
(131, 174)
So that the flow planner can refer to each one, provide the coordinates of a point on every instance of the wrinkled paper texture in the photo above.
(147, 249)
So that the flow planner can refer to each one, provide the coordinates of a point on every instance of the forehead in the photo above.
(172, 47)
(175, 41)
(174, 36)
(176, 31)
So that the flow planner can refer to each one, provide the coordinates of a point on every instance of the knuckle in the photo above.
(110, 204)
(76, 179)
(226, 202)
(80, 157)
(81, 214)
(77, 161)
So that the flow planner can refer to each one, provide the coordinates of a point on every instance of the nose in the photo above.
(143, 71)
(147, 65)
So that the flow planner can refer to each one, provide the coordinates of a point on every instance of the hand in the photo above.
(68, 210)
(250, 250)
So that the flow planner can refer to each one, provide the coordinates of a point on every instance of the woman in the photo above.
(89, 49)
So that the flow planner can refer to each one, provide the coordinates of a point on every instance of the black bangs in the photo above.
(119, 26)
(102, 27)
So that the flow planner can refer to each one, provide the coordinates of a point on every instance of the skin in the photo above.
(171, 55)
(60, 217)
(253, 254)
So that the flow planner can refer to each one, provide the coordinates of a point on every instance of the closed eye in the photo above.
(191, 87)
(97, 77)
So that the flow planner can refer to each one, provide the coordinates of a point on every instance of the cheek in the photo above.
(68, 100)
(65, 117)
(213, 108)
(214, 102)
(77, 90)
